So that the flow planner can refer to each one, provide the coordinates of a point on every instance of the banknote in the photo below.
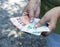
(24, 25)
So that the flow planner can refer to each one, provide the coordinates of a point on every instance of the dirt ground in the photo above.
(9, 35)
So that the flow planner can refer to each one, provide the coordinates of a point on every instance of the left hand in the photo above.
(32, 9)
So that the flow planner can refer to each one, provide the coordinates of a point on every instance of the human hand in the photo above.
(50, 18)
(32, 9)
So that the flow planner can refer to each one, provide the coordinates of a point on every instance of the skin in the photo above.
(51, 17)
(32, 9)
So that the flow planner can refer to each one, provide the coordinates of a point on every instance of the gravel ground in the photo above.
(9, 35)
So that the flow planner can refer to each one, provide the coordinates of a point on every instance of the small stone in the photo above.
(20, 33)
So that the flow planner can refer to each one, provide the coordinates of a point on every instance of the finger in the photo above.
(51, 27)
(47, 33)
(24, 14)
(41, 22)
(52, 24)
(37, 12)
(31, 15)
(25, 11)
(43, 33)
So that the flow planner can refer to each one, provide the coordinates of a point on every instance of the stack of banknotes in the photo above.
(24, 25)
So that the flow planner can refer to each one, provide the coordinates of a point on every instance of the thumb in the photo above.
(31, 19)
(37, 12)
(41, 22)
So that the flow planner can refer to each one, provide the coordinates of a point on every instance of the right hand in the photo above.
(50, 18)
(32, 9)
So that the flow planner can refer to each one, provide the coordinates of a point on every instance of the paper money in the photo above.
(24, 25)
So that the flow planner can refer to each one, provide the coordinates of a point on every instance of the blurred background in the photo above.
(9, 35)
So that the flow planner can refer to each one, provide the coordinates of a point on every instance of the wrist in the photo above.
(34, 0)
(58, 11)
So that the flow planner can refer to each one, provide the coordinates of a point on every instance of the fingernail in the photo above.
(31, 21)
(36, 26)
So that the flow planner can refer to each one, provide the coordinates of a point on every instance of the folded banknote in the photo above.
(24, 25)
